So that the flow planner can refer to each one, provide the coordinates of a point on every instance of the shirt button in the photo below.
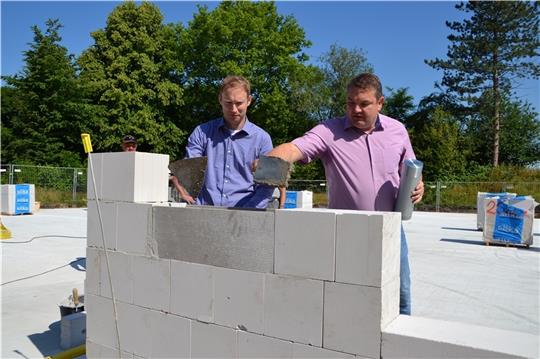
(227, 166)
(226, 181)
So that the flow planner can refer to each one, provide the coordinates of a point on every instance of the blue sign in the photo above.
(22, 199)
(291, 200)
(508, 223)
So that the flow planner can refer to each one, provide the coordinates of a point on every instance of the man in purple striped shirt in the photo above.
(231, 143)
(362, 155)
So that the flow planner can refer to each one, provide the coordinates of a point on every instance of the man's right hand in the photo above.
(186, 197)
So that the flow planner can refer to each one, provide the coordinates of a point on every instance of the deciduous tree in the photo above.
(132, 70)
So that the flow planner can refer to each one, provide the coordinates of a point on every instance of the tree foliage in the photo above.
(132, 71)
(42, 108)
(339, 65)
(398, 104)
(520, 132)
(252, 40)
(496, 46)
(438, 143)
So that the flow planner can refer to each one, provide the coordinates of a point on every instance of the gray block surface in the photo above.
(229, 238)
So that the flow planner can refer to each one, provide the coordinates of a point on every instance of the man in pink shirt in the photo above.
(362, 155)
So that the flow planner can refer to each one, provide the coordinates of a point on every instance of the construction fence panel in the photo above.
(55, 186)
(66, 186)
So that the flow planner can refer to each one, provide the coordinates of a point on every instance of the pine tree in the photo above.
(489, 52)
(43, 111)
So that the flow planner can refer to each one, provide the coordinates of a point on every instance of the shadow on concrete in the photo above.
(79, 264)
(48, 342)
(463, 241)
(482, 243)
(462, 229)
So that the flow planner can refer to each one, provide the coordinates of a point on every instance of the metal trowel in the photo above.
(190, 173)
(272, 171)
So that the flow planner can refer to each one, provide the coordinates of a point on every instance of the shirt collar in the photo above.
(248, 126)
(378, 124)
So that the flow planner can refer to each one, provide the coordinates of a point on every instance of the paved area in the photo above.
(454, 276)
(30, 300)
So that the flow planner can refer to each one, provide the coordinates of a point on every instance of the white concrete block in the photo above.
(304, 199)
(389, 302)
(305, 244)
(91, 283)
(100, 322)
(151, 282)
(95, 162)
(212, 341)
(130, 176)
(352, 317)
(367, 248)
(171, 335)
(118, 177)
(308, 351)
(121, 276)
(293, 309)
(134, 227)
(239, 299)
(417, 337)
(73, 330)
(192, 292)
(259, 346)
(94, 350)
(135, 329)
(93, 227)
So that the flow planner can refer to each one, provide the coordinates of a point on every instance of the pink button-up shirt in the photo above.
(362, 169)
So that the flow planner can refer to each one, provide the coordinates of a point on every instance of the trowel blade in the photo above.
(272, 171)
(190, 173)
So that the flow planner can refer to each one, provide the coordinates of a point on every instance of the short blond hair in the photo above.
(235, 81)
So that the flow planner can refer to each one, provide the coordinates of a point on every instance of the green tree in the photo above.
(132, 71)
(252, 40)
(339, 65)
(43, 108)
(520, 132)
(437, 142)
(398, 104)
(498, 44)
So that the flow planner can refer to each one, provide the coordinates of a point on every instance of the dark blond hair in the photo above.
(235, 81)
(366, 81)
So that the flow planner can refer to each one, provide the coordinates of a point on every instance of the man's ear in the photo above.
(249, 100)
(380, 102)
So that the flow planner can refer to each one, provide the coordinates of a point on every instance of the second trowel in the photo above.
(190, 173)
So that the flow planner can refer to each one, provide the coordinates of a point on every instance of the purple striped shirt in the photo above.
(229, 180)
(362, 169)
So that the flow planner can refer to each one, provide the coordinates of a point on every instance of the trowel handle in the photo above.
(75, 296)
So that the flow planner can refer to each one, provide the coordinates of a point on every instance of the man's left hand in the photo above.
(418, 192)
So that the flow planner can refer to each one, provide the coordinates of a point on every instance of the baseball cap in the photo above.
(129, 139)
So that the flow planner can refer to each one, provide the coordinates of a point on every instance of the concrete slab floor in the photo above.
(454, 276)
(30, 298)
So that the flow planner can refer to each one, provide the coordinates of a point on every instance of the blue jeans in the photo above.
(404, 278)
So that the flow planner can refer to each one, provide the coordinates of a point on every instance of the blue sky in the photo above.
(396, 36)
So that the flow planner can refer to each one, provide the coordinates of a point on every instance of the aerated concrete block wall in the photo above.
(193, 282)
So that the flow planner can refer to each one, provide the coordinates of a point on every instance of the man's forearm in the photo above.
(287, 152)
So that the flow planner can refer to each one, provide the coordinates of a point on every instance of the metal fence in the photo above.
(55, 186)
(66, 186)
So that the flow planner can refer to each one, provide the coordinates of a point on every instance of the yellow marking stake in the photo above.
(86, 142)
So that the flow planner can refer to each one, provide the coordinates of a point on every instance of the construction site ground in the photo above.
(455, 277)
